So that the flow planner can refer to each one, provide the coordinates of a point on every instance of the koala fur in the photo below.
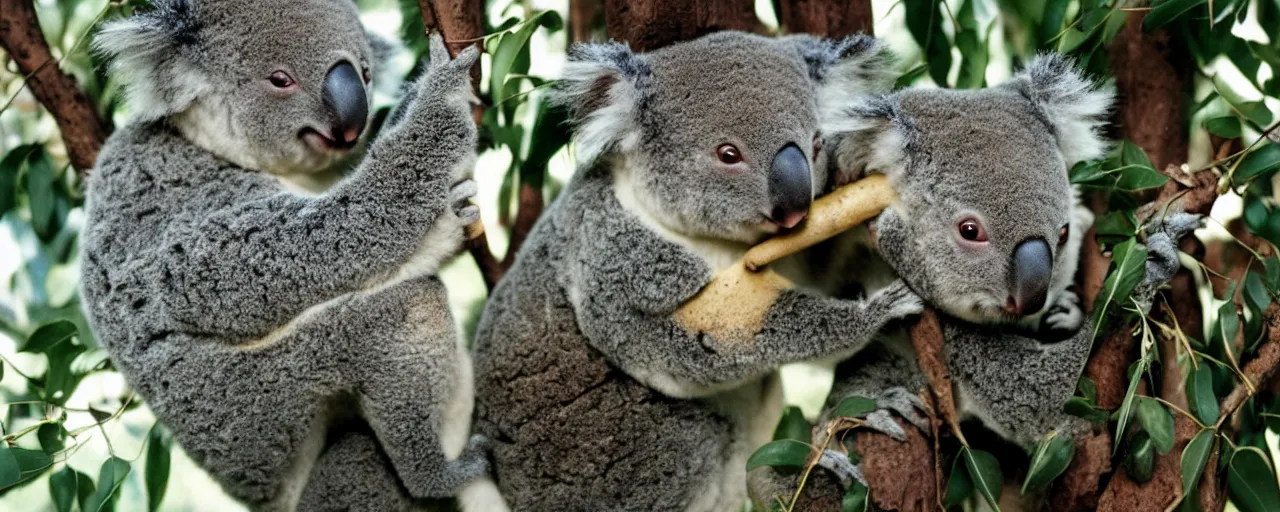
(594, 397)
(252, 317)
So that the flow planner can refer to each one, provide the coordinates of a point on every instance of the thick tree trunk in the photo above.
(82, 130)
(651, 24)
(830, 18)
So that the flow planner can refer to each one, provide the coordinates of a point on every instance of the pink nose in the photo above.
(792, 219)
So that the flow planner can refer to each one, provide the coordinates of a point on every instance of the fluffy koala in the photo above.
(595, 396)
(252, 315)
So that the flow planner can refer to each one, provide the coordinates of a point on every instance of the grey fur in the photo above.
(354, 475)
(594, 396)
(250, 317)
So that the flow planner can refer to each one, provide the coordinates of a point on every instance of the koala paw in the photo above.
(474, 461)
(897, 301)
(903, 403)
(838, 464)
(460, 201)
(1064, 317)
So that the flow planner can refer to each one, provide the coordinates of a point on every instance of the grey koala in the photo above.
(251, 314)
(595, 396)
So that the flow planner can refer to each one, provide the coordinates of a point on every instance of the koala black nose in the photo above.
(790, 187)
(345, 96)
(1032, 270)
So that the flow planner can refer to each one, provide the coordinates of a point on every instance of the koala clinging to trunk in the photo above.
(250, 303)
(595, 396)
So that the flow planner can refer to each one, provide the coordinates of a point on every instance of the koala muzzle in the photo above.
(1032, 271)
(345, 96)
(790, 187)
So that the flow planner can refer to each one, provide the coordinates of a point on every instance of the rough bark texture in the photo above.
(82, 130)
(832, 18)
(900, 473)
(582, 19)
(1153, 74)
(650, 24)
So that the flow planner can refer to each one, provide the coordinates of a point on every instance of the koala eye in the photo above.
(971, 230)
(1063, 234)
(281, 80)
(364, 72)
(817, 148)
(729, 154)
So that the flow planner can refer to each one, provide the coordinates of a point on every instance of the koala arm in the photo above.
(247, 269)
(628, 283)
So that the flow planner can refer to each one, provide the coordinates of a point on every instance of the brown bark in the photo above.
(899, 473)
(651, 24)
(582, 17)
(1153, 73)
(82, 130)
(831, 18)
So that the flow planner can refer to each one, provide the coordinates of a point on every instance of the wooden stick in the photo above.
(832, 214)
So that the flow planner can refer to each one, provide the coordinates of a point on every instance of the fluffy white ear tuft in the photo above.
(151, 52)
(602, 88)
(869, 136)
(845, 69)
(1074, 106)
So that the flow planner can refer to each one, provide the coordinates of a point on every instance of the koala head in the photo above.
(984, 201)
(718, 136)
(280, 86)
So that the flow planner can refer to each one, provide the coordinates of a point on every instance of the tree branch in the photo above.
(82, 130)
(832, 18)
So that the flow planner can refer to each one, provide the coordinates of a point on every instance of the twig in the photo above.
(1258, 370)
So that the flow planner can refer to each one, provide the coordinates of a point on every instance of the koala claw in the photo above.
(881, 421)
(838, 464)
(906, 404)
(1064, 315)
(462, 191)
(898, 301)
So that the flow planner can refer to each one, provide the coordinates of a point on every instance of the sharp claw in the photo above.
(880, 420)
(838, 463)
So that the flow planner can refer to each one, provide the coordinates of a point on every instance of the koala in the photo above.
(252, 303)
(594, 395)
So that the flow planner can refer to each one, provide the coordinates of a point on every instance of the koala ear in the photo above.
(869, 136)
(602, 89)
(152, 52)
(1074, 106)
(847, 68)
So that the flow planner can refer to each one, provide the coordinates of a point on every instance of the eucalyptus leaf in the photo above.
(782, 453)
(1200, 398)
(1141, 460)
(1080, 407)
(159, 443)
(984, 470)
(1157, 422)
(1227, 127)
(1050, 458)
(1126, 406)
(854, 407)
(49, 336)
(1251, 481)
(793, 425)
(1165, 12)
(110, 477)
(855, 499)
(1085, 172)
(1194, 458)
(959, 485)
(51, 436)
(64, 488)
(1130, 259)
(1259, 162)
(10, 473)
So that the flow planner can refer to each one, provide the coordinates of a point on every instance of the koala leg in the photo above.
(354, 475)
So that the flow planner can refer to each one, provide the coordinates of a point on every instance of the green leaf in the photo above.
(1139, 178)
(1087, 388)
(1126, 406)
(10, 473)
(10, 165)
(1085, 172)
(784, 453)
(509, 47)
(1116, 223)
(854, 407)
(924, 21)
(1052, 456)
(1254, 111)
(911, 76)
(1071, 39)
(40, 194)
(1261, 161)
(1130, 260)
(793, 426)
(1157, 422)
(49, 336)
(51, 436)
(1228, 322)
(60, 379)
(159, 442)
(855, 499)
(1227, 127)
(1082, 408)
(1132, 155)
(1194, 457)
(1141, 459)
(959, 485)
(110, 478)
(1165, 12)
(1251, 482)
(984, 470)
(1200, 397)
(64, 487)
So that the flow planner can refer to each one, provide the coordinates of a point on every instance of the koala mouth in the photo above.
(321, 143)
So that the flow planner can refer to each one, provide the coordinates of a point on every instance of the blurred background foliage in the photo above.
(77, 438)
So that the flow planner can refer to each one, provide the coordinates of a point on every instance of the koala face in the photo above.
(279, 85)
(719, 135)
(984, 204)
